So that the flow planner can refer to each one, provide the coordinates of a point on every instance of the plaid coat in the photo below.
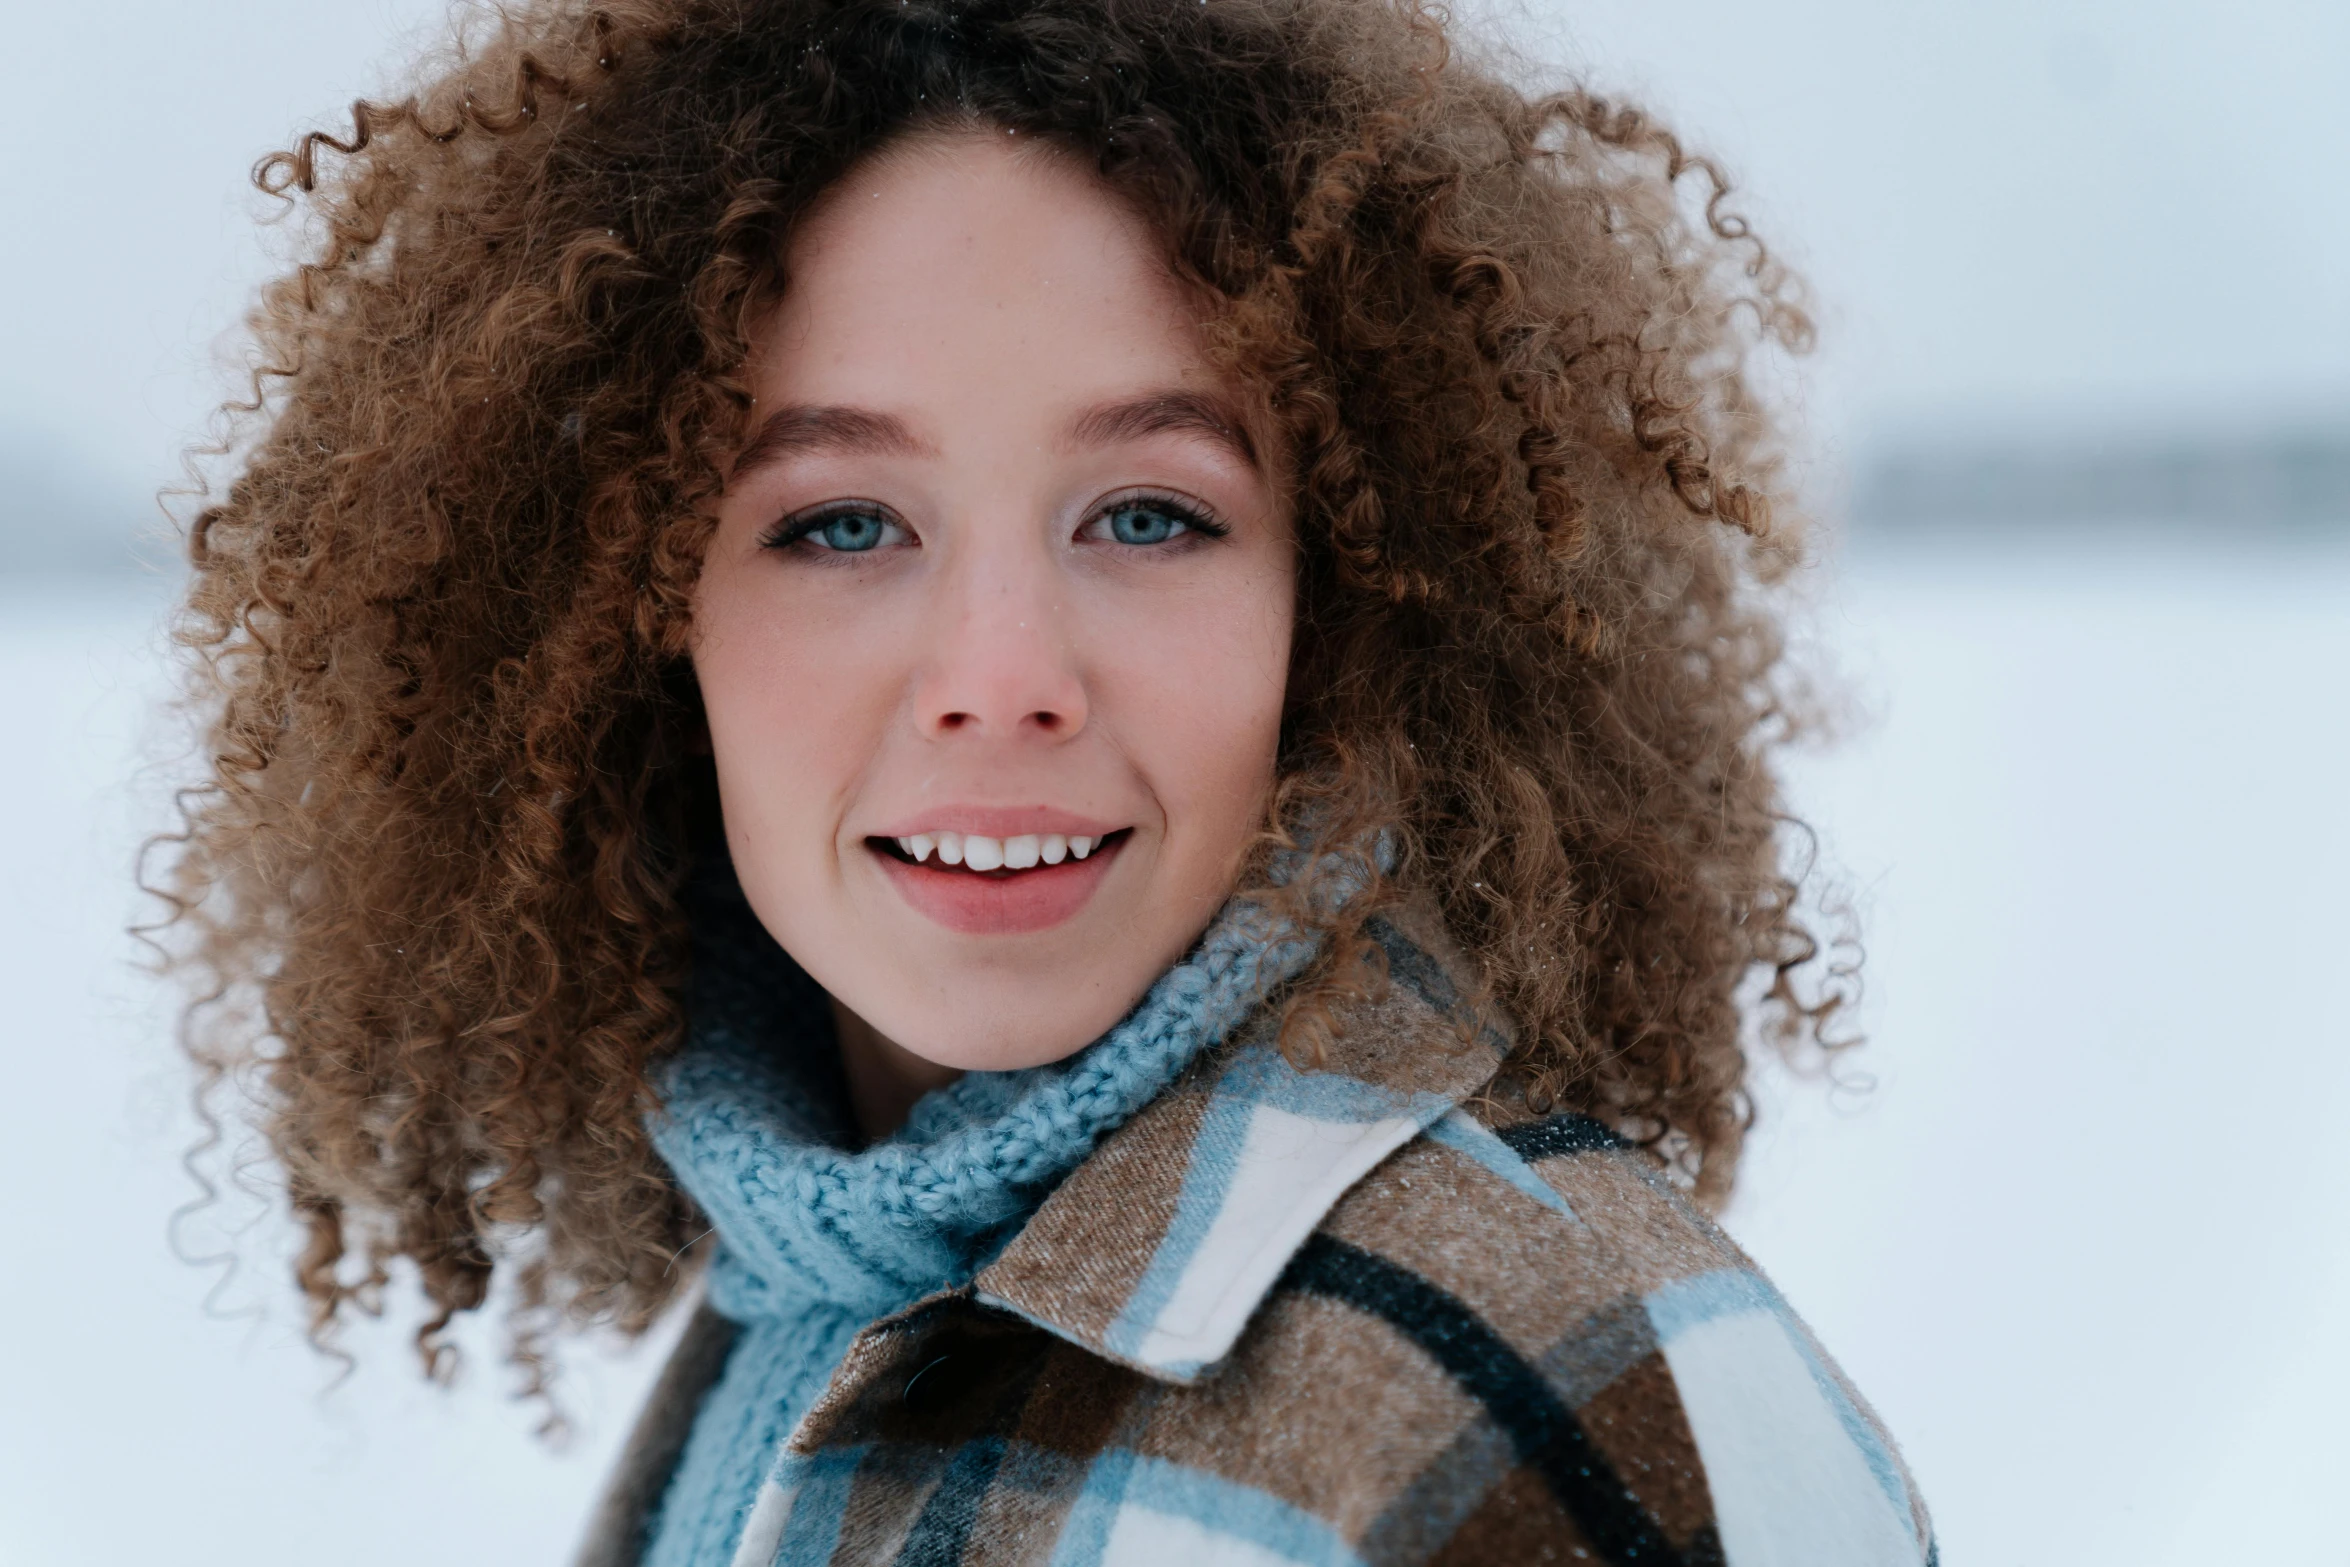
(1357, 1315)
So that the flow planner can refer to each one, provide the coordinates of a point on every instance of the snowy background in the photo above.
(2086, 1241)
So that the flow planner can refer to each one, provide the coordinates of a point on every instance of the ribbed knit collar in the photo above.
(754, 1120)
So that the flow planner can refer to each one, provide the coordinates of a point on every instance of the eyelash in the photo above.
(789, 531)
(1198, 520)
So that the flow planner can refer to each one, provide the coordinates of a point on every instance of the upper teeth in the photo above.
(987, 854)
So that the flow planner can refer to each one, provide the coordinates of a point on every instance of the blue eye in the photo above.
(853, 532)
(1145, 521)
(849, 532)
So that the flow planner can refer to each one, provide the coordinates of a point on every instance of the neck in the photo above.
(884, 1077)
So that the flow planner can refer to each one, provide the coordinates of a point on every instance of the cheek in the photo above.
(795, 712)
(1205, 693)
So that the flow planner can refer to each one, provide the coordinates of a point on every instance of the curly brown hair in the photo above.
(439, 613)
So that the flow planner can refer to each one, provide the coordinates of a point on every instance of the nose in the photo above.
(1002, 666)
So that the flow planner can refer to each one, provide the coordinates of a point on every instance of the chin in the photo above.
(1005, 1037)
(1005, 1014)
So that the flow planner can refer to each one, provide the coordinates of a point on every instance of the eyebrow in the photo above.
(1181, 413)
(804, 428)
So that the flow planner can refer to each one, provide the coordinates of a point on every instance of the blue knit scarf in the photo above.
(815, 1241)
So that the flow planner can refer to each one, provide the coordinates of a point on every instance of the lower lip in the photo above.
(994, 905)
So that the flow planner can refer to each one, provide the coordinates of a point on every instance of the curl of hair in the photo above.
(439, 612)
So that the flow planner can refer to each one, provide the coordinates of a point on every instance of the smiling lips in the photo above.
(978, 884)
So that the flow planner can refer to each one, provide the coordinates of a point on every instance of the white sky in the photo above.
(2012, 210)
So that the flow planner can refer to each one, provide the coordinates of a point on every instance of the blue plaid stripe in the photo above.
(798, 1514)
(1239, 1164)
(1465, 1134)
(1121, 1482)
(1256, 1078)
(1215, 1155)
(1686, 1303)
(944, 1528)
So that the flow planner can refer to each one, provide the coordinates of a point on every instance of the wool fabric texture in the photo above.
(816, 1239)
(1376, 1310)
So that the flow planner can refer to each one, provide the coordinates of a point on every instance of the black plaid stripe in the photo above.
(1544, 1433)
(1409, 965)
(943, 1530)
(1558, 1137)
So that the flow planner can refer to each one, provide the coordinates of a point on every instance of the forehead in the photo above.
(970, 261)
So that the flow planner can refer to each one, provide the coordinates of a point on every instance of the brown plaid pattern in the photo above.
(1351, 1317)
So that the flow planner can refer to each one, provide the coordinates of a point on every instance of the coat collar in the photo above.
(1157, 1250)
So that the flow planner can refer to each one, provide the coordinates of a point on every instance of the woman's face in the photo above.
(994, 629)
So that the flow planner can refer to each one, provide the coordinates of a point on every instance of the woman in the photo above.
(1075, 696)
